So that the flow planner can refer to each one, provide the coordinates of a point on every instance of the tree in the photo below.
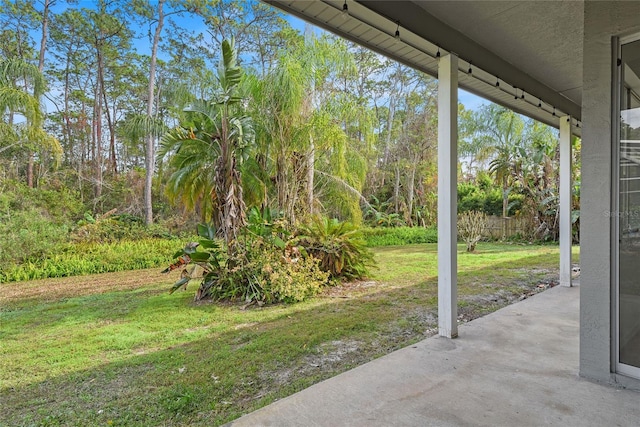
(503, 131)
(21, 119)
(417, 143)
(18, 18)
(43, 48)
(210, 147)
(150, 143)
(156, 17)
(303, 117)
(537, 174)
(474, 150)
(259, 30)
(70, 68)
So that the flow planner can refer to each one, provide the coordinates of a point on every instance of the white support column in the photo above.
(447, 196)
(565, 201)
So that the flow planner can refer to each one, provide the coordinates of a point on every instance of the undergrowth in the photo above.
(92, 258)
(395, 236)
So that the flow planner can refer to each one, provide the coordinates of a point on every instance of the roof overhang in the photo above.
(537, 60)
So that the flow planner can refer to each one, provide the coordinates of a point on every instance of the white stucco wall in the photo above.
(602, 21)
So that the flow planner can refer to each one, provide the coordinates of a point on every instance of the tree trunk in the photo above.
(43, 48)
(66, 127)
(396, 190)
(30, 170)
(311, 160)
(387, 142)
(112, 134)
(505, 207)
(97, 124)
(228, 188)
(150, 143)
(410, 192)
(287, 190)
(43, 39)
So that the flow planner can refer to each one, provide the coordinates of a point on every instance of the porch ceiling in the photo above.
(529, 45)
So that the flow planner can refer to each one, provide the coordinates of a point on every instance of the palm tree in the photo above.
(503, 166)
(18, 80)
(501, 130)
(15, 78)
(302, 146)
(209, 149)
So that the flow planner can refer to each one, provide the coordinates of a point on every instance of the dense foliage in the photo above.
(257, 271)
(45, 233)
(338, 245)
(397, 236)
(91, 258)
(271, 264)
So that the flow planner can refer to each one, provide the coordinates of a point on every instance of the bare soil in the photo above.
(67, 287)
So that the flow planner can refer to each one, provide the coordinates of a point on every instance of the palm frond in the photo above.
(141, 125)
(18, 101)
(229, 74)
(13, 69)
(345, 185)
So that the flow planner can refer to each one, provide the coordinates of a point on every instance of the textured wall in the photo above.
(602, 21)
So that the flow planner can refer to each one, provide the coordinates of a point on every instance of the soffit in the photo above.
(542, 38)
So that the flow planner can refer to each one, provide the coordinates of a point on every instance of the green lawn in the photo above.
(116, 349)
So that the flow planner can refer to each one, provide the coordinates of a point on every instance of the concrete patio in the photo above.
(515, 367)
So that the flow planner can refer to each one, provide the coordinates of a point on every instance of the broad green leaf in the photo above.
(200, 256)
(178, 254)
(179, 283)
(206, 231)
(208, 243)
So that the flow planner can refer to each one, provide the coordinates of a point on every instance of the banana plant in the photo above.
(203, 260)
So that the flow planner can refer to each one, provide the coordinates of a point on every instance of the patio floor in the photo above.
(515, 367)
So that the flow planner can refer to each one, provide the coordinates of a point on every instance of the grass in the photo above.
(116, 349)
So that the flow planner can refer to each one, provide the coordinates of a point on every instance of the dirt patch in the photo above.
(327, 360)
(332, 358)
(349, 289)
(331, 353)
(474, 306)
(47, 290)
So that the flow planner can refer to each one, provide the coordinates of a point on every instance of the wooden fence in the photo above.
(499, 227)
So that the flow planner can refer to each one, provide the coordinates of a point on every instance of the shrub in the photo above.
(485, 198)
(338, 245)
(59, 205)
(32, 222)
(493, 202)
(291, 279)
(28, 235)
(399, 236)
(113, 228)
(471, 225)
(383, 219)
(257, 271)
